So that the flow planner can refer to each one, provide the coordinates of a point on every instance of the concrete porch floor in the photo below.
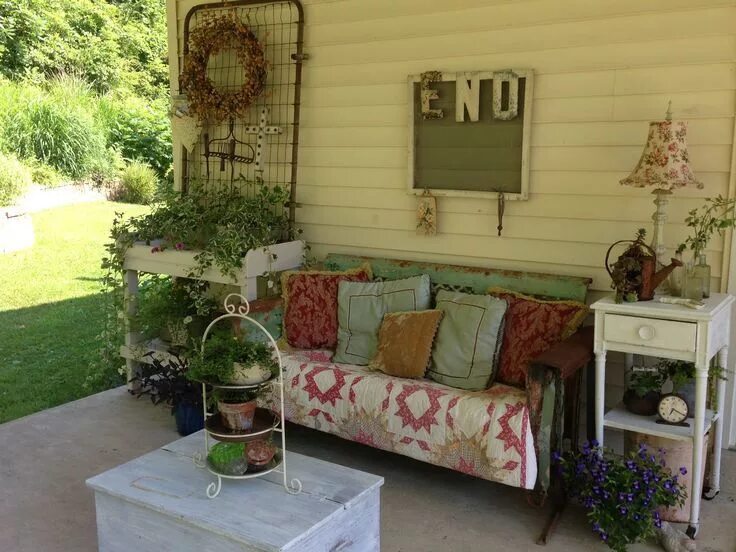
(45, 506)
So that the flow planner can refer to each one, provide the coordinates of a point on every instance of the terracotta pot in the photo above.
(237, 416)
(642, 406)
(260, 452)
(249, 375)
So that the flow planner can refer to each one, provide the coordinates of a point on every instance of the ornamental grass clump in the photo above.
(623, 496)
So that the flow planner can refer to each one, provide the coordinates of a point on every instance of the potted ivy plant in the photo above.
(166, 381)
(643, 393)
(623, 496)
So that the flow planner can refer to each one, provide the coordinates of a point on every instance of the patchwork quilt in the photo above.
(483, 433)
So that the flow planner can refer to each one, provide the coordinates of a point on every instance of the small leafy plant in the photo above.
(221, 351)
(167, 382)
(646, 381)
(715, 216)
(622, 495)
(167, 303)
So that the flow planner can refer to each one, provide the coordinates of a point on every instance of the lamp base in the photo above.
(660, 217)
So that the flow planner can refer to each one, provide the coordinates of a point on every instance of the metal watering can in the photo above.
(645, 256)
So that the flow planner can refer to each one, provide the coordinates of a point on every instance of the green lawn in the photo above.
(50, 308)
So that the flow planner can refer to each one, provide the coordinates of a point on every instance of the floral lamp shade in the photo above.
(664, 162)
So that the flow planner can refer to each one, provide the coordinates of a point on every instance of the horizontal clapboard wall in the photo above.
(602, 72)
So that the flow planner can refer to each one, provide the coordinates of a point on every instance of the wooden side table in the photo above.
(675, 332)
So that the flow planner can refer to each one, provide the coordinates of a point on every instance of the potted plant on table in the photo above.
(166, 381)
(643, 393)
(623, 496)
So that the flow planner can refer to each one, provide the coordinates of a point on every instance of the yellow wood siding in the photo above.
(603, 71)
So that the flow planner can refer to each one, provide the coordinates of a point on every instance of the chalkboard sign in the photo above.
(469, 133)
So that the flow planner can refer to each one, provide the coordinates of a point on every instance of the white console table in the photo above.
(676, 332)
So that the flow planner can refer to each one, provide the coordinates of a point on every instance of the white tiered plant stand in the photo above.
(240, 311)
(141, 258)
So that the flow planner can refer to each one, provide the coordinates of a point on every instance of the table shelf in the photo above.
(620, 418)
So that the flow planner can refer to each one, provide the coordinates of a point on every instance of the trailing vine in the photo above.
(221, 225)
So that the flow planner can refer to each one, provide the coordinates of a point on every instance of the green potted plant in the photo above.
(643, 393)
(167, 382)
(682, 375)
(228, 359)
(623, 496)
(167, 309)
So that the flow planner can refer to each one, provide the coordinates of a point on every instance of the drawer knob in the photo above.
(646, 332)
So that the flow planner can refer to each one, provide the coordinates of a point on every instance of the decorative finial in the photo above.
(668, 117)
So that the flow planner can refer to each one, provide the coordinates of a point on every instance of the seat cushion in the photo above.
(532, 326)
(483, 433)
(310, 305)
(466, 350)
(405, 343)
(360, 310)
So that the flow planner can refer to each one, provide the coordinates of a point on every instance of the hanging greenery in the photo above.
(220, 224)
(208, 39)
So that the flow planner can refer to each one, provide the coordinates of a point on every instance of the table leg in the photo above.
(600, 393)
(130, 278)
(701, 387)
(713, 489)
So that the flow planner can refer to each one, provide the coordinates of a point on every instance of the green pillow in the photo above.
(466, 349)
(360, 310)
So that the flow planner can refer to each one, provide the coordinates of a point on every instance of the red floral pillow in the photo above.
(531, 327)
(310, 305)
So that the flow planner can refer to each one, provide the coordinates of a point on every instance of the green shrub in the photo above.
(42, 174)
(15, 178)
(63, 135)
(138, 183)
(139, 129)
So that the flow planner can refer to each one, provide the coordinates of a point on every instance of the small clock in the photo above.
(672, 409)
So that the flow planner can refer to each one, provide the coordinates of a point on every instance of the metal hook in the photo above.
(501, 207)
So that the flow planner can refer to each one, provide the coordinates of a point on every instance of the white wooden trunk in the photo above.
(157, 503)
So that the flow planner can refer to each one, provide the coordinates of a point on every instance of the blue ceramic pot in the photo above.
(189, 419)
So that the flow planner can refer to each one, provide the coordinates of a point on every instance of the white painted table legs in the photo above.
(715, 472)
(600, 393)
(701, 391)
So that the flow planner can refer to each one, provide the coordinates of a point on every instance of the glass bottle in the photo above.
(677, 277)
(702, 271)
(693, 287)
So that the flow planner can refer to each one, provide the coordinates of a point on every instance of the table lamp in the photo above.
(664, 164)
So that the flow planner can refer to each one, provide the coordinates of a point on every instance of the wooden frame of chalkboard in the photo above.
(480, 155)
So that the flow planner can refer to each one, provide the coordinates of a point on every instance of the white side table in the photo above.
(669, 331)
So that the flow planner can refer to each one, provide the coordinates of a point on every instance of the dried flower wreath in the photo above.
(208, 39)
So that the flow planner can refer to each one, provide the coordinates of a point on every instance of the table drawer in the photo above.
(650, 332)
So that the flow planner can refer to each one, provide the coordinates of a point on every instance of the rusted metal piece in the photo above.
(280, 24)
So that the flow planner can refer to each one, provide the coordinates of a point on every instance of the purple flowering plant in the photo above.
(622, 495)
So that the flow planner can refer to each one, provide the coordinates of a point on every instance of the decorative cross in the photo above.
(261, 130)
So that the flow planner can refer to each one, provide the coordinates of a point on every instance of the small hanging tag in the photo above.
(427, 214)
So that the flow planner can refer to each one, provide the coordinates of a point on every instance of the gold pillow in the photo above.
(405, 343)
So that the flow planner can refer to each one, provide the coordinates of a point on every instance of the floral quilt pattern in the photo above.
(483, 433)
